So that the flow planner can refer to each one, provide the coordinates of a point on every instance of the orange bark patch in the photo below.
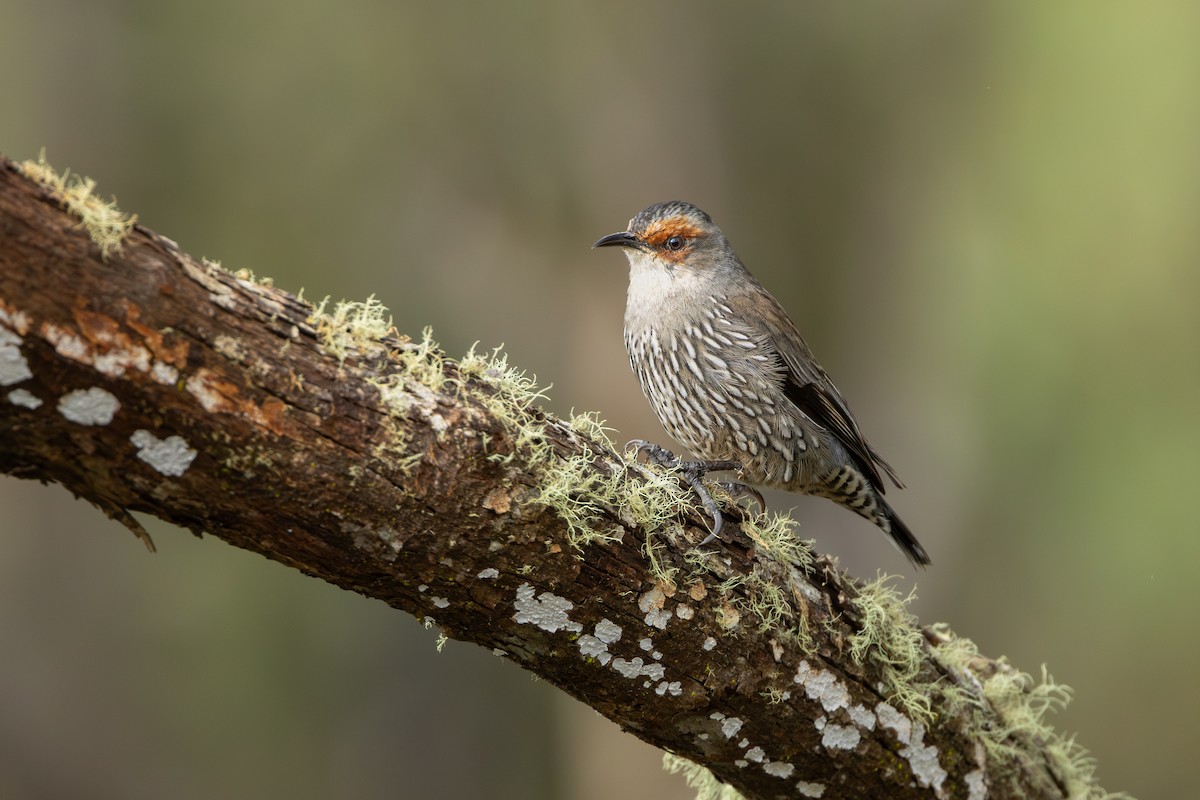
(216, 395)
(219, 396)
(174, 354)
(269, 415)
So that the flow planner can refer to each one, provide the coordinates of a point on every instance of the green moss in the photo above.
(106, 224)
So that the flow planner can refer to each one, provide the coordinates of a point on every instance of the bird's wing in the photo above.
(810, 388)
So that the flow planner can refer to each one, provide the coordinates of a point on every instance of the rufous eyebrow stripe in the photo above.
(660, 230)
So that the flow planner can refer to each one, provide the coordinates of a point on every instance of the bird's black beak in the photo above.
(622, 239)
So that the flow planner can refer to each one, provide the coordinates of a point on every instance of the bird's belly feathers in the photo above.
(719, 393)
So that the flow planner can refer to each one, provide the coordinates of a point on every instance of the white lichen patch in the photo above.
(658, 619)
(13, 366)
(823, 686)
(591, 647)
(810, 789)
(439, 424)
(731, 726)
(756, 755)
(546, 611)
(709, 643)
(607, 632)
(637, 667)
(862, 716)
(923, 759)
(66, 343)
(839, 737)
(646, 644)
(93, 406)
(202, 386)
(170, 456)
(684, 611)
(673, 688)
(976, 785)
(651, 604)
(489, 573)
(439, 602)
(16, 320)
(780, 769)
(24, 398)
(105, 348)
(119, 360)
(164, 373)
(890, 718)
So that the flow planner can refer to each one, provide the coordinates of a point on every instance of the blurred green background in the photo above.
(983, 216)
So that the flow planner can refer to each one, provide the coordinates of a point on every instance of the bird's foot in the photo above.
(692, 472)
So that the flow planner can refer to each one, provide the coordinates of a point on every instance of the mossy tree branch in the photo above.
(143, 380)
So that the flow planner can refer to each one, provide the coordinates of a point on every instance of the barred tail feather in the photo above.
(847, 486)
(900, 535)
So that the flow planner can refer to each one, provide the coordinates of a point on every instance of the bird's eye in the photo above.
(674, 243)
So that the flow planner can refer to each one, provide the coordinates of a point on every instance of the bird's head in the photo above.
(676, 236)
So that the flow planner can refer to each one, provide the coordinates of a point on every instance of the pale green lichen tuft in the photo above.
(1022, 705)
(890, 638)
(351, 327)
(590, 425)
(578, 493)
(107, 225)
(776, 533)
(707, 786)
(578, 488)
(423, 361)
(767, 594)
(248, 276)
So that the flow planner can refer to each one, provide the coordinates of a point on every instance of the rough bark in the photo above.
(143, 380)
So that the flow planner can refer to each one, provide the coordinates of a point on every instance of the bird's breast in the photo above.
(717, 388)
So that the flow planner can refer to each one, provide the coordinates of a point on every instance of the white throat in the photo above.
(655, 288)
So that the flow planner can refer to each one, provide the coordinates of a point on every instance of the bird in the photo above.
(730, 378)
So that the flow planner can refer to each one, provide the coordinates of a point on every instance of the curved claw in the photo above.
(692, 472)
(706, 500)
(737, 489)
(638, 445)
(653, 452)
(718, 523)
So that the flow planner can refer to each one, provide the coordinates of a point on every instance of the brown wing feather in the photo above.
(808, 386)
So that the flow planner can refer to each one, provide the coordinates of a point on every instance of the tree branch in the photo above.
(143, 380)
